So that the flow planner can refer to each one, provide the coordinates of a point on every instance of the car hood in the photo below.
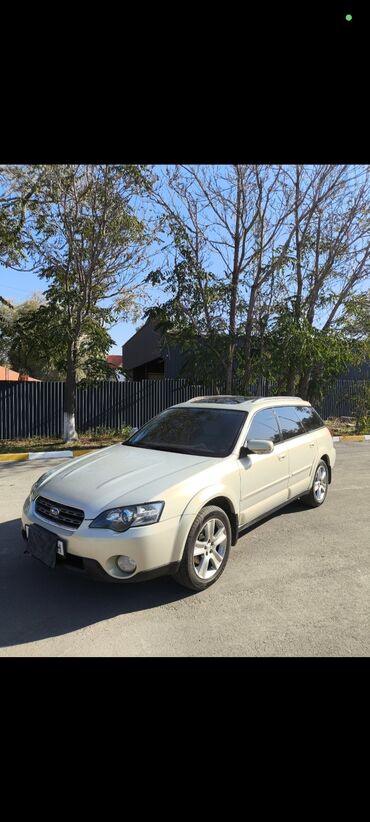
(119, 475)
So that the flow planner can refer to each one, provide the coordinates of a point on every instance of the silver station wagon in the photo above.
(173, 498)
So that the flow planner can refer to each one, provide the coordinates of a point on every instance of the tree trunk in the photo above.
(313, 390)
(248, 337)
(290, 383)
(303, 384)
(229, 369)
(234, 289)
(69, 427)
(298, 300)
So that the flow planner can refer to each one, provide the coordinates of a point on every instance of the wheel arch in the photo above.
(214, 495)
(227, 506)
(326, 459)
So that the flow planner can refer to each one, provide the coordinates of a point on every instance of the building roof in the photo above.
(14, 376)
(115, 360)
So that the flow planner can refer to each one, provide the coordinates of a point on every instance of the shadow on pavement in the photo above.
(37, 602)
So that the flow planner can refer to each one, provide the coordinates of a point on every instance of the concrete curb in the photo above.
(45, 455)
(352, 438)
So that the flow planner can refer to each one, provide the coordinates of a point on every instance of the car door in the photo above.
(263, 477)
(301, 446)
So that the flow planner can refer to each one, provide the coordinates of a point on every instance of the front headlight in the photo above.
(120, 519)
(36, 485)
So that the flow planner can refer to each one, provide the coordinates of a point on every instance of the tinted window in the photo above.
(204, 431)
(309, 418)
(264, 427)
(290, 422)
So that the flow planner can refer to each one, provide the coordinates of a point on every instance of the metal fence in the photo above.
(337, 401)
(29, 409)
(36, 409)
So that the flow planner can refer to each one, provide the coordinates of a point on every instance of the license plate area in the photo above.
(61, 550)
(44, 545)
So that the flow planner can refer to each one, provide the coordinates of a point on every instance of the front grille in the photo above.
(71, 517)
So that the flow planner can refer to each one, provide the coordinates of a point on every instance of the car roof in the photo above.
(240, 403)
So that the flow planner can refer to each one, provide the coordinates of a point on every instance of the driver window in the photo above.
(264, 427)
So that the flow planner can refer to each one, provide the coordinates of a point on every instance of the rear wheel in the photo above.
(206, 551)
(319, 489)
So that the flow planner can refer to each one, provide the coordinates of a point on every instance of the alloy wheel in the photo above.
(320, 483)
(209, 548)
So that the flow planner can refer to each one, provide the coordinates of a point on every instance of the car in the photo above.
(174, 497)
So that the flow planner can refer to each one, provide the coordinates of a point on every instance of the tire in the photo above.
(199, 570)
(318, 493)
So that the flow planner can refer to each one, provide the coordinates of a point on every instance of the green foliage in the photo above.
(19, 197)
(360, 406)
(109, 433)
(355, 319)
(297, 347)
(29, 340)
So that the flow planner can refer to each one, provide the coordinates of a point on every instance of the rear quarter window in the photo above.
(309, 417)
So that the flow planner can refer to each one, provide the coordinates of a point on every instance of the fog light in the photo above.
(126, 564)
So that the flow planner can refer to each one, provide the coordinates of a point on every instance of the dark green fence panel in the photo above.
(29, 409)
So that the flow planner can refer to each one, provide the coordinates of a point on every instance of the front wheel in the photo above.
(206, 551)
(319, 489)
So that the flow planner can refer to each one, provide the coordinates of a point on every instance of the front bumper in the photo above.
(156, 549)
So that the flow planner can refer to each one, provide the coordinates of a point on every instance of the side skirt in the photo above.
(268, 514)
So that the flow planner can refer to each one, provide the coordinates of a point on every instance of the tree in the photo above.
(355, 318)
(327, 258)
(192, 317)
(85, 240)
(228, 216)
(19, 187)
(325, 353)
(27, 344)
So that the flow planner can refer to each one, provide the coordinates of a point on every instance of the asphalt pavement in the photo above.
(297, 584)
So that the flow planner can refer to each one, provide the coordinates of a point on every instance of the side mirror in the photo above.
(257, 447)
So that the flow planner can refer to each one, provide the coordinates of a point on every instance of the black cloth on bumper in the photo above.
(43, 545)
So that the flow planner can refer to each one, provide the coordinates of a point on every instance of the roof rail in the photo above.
(282, 397)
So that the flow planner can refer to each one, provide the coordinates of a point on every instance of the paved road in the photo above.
(297, 584)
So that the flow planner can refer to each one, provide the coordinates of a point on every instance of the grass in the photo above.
(86, 441)
(339, 427)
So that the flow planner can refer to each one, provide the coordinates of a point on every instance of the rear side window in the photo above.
(290, 423)
(309, 418)
(264, 427)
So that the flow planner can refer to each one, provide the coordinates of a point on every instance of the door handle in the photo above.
(312, 444)
(282, 457)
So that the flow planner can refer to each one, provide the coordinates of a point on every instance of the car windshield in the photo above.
(202, 431)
